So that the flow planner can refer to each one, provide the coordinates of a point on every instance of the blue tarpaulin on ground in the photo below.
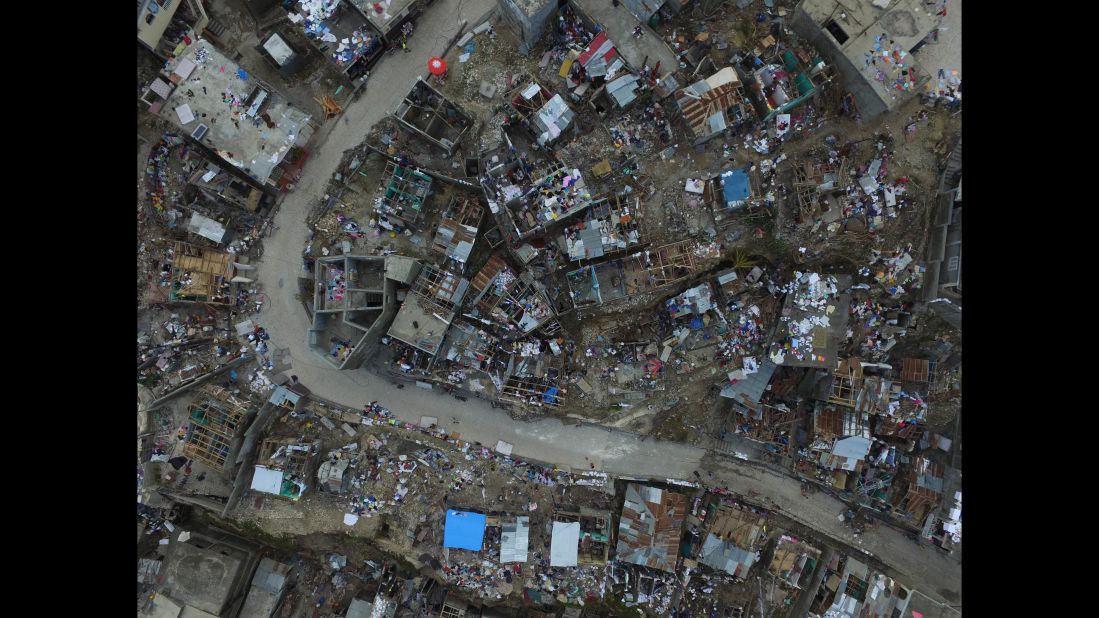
(736, 185)
(550, 395)
(464, 530)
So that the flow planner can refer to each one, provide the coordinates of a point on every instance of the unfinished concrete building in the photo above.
(650, 527)
(272, 139)
(429, 115)
(429, 308)
(527, 19)
(456, 234)
(217, 420)
(206, 574)
(889, 74)
(353, 303)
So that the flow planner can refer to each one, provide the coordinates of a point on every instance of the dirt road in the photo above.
(613, 451)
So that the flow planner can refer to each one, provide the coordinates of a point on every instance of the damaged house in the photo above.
(282, 466)
(857, 591)
(601, 66)
(711, 106)
(268, 588)
(650, 527)
(735, 535)
(588, 530)
(611, 227)
(513, 303)
(642, 272)
(547, 116)
(400, 203)
(426, 113)
(338, 31)
(555, 194)
(821, 187)
(787, 80)
(793, 562)
(457, 232)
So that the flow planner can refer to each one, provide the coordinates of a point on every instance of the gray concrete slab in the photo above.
(619, 24)
(945, 54)
(200, 577)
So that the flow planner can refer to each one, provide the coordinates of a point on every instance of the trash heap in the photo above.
(897, 271)
(573, 585)
(744, 338)
(354, 47)
(483, 579)
(313, 14)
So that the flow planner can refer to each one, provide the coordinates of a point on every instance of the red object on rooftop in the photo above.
(436, 65)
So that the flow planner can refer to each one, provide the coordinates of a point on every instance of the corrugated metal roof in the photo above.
(267, 480)
(622, 90)
(751, 388)
(651, 524)
(853, 448)
(515, 540)
(564, 543)
(725, 556)
(600, 47)
(593, 242)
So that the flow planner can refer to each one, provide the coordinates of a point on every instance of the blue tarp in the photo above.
(464, 530)
(736, 185)
(550, 395)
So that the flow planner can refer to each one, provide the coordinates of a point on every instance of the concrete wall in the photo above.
(869, 103)
(527, 19)
(201, 380)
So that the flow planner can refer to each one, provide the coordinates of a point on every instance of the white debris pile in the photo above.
(810, 294)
